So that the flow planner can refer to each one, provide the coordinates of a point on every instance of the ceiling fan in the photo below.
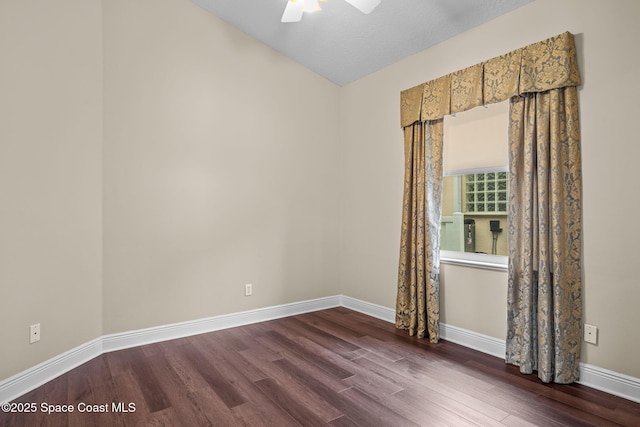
(295, 8)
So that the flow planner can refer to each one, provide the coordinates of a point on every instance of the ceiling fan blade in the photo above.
(293, 11)
(364, 6)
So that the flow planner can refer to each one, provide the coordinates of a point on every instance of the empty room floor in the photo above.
(332, 367)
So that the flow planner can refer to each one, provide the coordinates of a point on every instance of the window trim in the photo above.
(468, 259)
(487, 169)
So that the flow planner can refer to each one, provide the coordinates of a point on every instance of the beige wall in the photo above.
(50, 178)
(606, 34)
(215, 167)
(219, 169)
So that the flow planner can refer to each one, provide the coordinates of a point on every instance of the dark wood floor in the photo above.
(333, 367)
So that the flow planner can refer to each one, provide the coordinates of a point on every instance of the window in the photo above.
(473, 228)
(486, 192)
(474, 212)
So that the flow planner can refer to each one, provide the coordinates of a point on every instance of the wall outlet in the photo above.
(591, 334)
(34, 333)
(248, 290)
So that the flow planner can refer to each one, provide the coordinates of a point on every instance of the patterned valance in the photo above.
(542, 66)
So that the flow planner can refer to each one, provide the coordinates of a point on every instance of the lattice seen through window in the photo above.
(486, 192)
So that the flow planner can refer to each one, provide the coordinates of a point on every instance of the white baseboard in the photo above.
(23, 382)
(373, 310)
(610, 382)
(44, 372)
(483, 343)
(130, 339)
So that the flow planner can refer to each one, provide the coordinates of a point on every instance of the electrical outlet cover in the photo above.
(591, 334)
(34, 333)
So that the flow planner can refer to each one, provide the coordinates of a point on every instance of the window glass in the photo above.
(474, 212)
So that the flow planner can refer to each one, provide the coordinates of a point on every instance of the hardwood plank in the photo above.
(371, 381)
(321, 337)
(419, 406)
(327, 319)
(311, 357)
(105, 393)
(218, 346)
(382, 348)
(80, 392)
(356, 406)
(191, 408)
(257, 408)
(315, 403)
(262, 412)
(188, 374)
(293, 406)
(516, 421)
(154, 395)
(213, 376)
(236, 339)
(292, 364)
(128, 392)
(343, 421)
(372, 412)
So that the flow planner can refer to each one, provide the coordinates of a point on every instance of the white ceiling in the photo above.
(343, 44)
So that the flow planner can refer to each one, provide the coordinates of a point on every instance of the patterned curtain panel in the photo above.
(544, 313)
(418, 301)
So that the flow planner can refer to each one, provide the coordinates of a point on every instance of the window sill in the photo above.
(467, 259)
(498, 213)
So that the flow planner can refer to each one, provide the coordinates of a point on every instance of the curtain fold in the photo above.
(467, 89)
(418, 298)
(544, 313)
